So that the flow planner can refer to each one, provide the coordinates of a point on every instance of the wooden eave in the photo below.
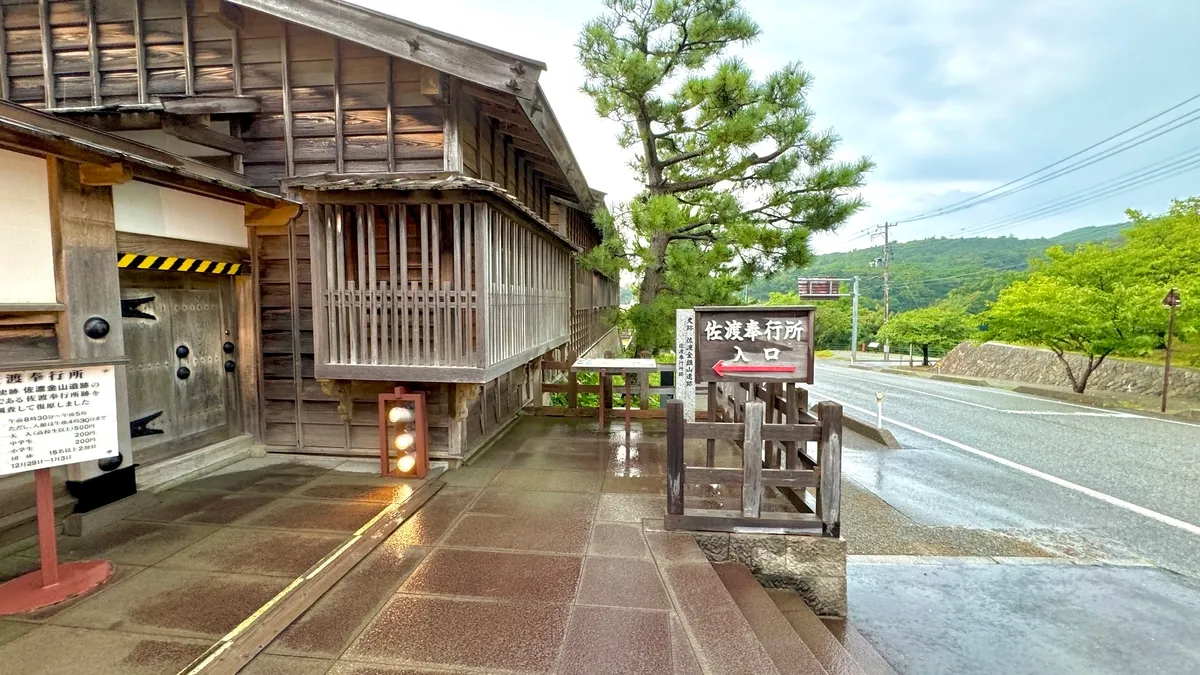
(416, 182)
(450, 54)
(26, 129)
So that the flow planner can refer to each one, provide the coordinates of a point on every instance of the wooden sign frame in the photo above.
(759, 368)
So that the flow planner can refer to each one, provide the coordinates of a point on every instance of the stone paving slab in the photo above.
(357, 488)
(254, 551)
(546, 480)
(311, 515)
(174, 602)
(271, 664)
(606, 640)
(429, 632)
(209, 508)
(57, 650)
(622, 582)
(330, 625)
(133, 542)
(496, 574)
(621, 540)
(547, 534)
(500, 501)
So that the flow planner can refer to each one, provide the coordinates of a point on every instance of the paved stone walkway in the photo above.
(194, 567)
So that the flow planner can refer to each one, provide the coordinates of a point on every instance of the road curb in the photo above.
(880, 436)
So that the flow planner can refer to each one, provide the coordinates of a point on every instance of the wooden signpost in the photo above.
(754, 344)
(53, 414)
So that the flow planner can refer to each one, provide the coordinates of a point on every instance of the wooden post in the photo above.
(771, 446)
(803, 403)
(675, 467)
(600, 404)
(791, 412)
(752, 460)
(644, 393)
(572, 388)
(535, 382)
(710, 455)
(625, 376)
(829, 497)
(47, 544)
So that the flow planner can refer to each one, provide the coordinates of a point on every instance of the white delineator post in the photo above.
(879, 410)
(685, 361)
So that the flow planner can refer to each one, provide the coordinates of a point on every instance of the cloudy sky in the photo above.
(949, 97)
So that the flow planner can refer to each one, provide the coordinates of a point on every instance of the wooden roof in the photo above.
(25, 128)
(508, 83)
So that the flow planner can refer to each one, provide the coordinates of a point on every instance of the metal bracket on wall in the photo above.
(129, 308)
(139, 428)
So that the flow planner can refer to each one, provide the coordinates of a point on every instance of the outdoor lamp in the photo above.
(403, 434)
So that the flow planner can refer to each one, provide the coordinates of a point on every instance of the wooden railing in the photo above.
(448, 289)
(558, 378)
(776, 459)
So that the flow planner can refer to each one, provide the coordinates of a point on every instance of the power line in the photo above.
(1174, 166)
(984, 197)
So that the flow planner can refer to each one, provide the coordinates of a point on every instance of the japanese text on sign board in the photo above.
(754, 344)
(56, 416)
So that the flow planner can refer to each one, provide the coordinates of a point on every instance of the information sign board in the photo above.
(57, 415)
(754, 344)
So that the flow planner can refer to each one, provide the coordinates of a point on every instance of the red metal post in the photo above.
(47, 537)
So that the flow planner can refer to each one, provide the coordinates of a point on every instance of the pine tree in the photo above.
(735, 175)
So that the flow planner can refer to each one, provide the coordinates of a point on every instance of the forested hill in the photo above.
(926, 271)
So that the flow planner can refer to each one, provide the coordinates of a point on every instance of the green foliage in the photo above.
(943, 326)
(835, 319)
(1102, 299)
(969, 272)
(735, 176)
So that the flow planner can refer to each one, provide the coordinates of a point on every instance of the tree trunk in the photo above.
(1093, 364)
(924, 355)
(653, 279)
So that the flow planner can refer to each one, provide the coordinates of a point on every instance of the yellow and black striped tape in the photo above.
(135, 261)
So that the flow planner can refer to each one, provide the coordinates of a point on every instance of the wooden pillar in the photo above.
(752, 460)
(675, 466)
(535, 382)
(85, 261)
(829, 499)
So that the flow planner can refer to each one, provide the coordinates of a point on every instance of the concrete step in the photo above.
(719, 635)
(787, 651)
(840, 648)
(864, 653)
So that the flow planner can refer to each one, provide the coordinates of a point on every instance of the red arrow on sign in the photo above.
(720, 368)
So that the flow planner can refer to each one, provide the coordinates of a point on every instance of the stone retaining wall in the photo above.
(1040, 366)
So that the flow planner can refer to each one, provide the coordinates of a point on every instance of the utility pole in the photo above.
(1172, 301)
(887, 259)
(854, 325)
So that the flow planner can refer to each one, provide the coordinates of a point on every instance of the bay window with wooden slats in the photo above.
(452, 288)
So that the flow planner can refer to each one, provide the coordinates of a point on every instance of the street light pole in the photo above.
(1172, 301)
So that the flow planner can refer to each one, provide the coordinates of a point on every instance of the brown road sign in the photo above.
(1172, 299)
(754, 344)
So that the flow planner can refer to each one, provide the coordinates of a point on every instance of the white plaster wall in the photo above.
(26, 248)
(162, 212)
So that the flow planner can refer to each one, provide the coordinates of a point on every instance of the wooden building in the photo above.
(441, 212)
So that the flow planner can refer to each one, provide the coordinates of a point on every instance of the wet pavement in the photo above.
(193, 567)
(977, 566)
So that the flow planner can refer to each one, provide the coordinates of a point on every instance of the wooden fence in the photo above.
(776, 458)
(557, 378)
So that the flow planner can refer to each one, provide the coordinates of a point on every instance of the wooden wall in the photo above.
(297, 415)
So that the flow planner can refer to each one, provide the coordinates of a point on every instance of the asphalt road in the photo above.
(980, 457)
(1118, 493)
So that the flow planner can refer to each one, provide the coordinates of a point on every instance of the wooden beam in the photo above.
(189, 49)
(391, 114)
(212, 105)
(544, 122)
(139, 42)
(470, 61)
(97, 175)
(93, 51)
(145, 244)
(194, 132)
(431, 82)
(289, 138)
(4, 83)
(230, 16)
(451, 135)
(271, 216)
(47, 51)
(338, 113)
